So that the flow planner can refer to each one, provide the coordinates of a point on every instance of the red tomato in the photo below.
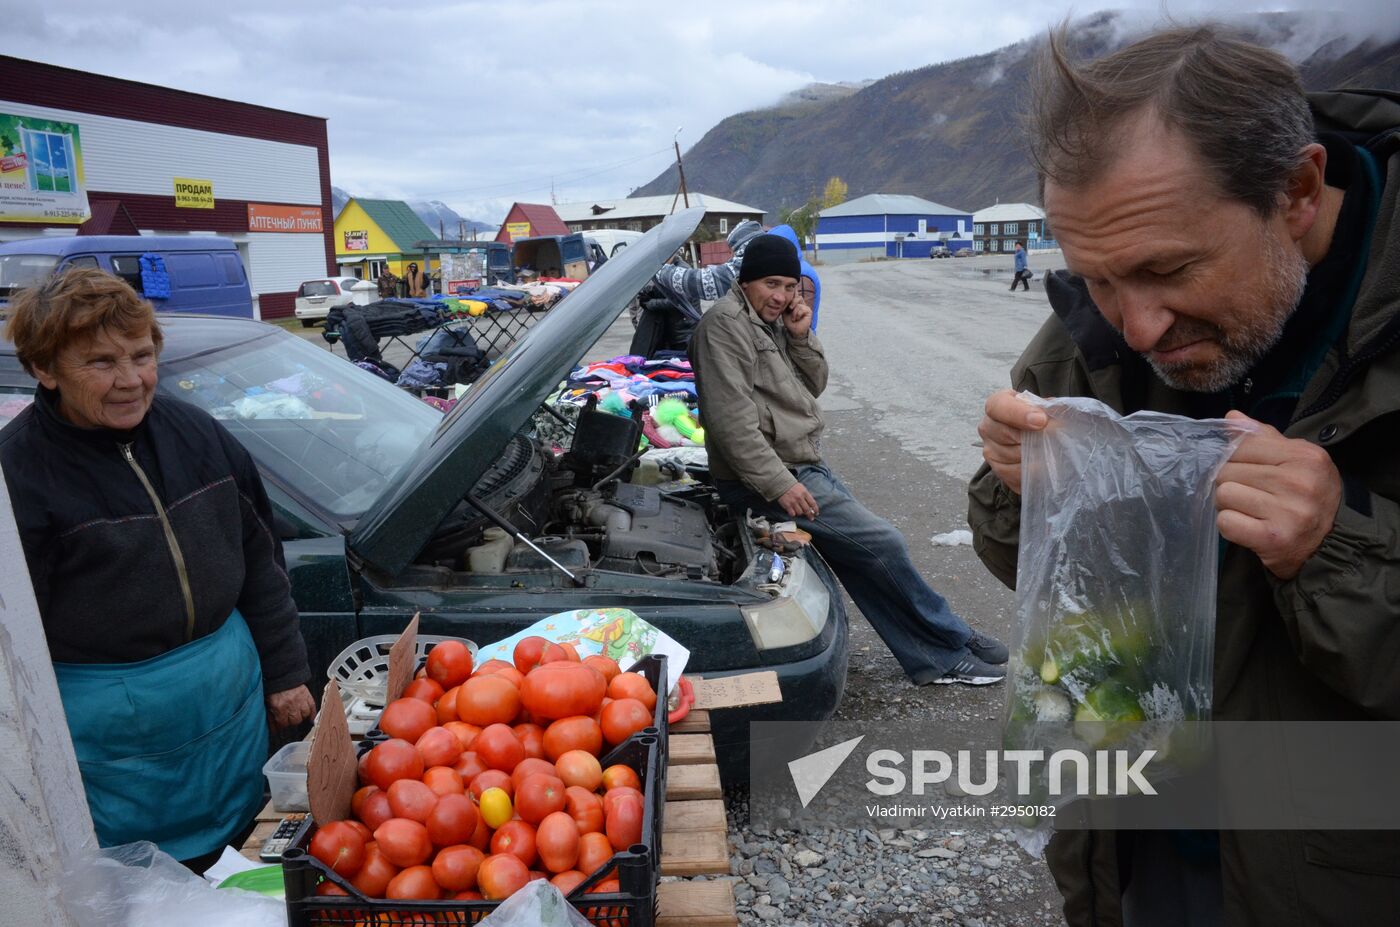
(449, 663)
(518, 839)
(563, 689)
(633, 685)
(469, 766)
(505, 671)
(491, 779)
(531, 738)
(481, 837)
(498, 747)
(340, 847)
(619, 775)
(491, 666)
(575, 733)
(446, 707)
(455, 867)
(374, 876)
(464, 732)
(501, 875)
(362, 769)
(528, 767)
(613, 796)
(623, 718)
(585, 808)
(407, 718)
(594, 852)
(365, 833)
(439, 747)
(468, 895)
(394, 760)
(567, 881)
(424, 690)
(414, 882)
(580, 768)
(528, 652)
(412, 799)
(559, 653)
(538, 795)
(486, 700)
(557, 842)
(443, 780)
(375, 810)
(358, 799)
(452, 821)
(623, 823)
(330, 888)
(403, 842)
(605, 665)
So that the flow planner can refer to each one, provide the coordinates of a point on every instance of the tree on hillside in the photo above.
(834, 194)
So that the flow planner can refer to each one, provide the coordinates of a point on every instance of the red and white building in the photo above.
(141, 144)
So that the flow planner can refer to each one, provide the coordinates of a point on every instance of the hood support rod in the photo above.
(510, 529)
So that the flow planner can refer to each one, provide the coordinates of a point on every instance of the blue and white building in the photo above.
(892, 225)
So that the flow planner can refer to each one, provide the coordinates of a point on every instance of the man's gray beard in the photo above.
(1287, 277)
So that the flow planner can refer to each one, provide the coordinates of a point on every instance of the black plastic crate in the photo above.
(638, 867)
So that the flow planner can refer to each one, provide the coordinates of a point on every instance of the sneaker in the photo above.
(987, 648)
(972, 672)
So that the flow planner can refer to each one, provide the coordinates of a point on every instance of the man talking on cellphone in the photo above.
(759, 370)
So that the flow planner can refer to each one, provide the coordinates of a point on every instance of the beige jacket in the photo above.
(758, 396)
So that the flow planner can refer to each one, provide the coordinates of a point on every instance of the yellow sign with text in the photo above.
(191, 193)
(518, 230)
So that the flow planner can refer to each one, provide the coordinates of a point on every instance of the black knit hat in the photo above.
(770, 256)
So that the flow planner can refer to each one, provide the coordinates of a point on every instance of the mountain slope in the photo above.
(950, 132)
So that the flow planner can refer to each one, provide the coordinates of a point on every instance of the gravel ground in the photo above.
(914, 348)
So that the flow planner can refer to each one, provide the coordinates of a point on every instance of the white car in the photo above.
(316, 298)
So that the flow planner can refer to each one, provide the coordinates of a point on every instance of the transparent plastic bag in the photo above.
(538, 904)
(1116, 582)
(138, 885)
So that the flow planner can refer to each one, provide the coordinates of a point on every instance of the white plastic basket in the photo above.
(362, 669)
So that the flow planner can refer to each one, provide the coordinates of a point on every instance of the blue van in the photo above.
(177, 273)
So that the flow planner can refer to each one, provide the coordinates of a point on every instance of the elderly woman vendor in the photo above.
(162, 588)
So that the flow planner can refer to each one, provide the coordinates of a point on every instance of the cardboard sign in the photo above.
(331, 767)
(733, 691)
(401, 660)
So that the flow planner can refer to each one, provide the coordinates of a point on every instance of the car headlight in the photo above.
(795, 616)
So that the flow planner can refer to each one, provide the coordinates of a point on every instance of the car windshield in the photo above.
(21, 270)
(325, 429)
(319, 288)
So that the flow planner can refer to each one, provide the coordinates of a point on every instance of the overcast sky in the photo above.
(479, 104)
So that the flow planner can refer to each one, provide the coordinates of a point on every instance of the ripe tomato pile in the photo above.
(491, 778)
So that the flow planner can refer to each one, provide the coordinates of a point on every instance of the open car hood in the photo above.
(396, 528)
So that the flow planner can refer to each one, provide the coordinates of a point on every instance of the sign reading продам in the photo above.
(191, 193)
(268, 217)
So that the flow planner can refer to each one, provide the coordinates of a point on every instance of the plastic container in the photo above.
(362, 670)
(286, 777)
(638, 871)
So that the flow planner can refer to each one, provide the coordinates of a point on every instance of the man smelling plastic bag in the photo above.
(1116, 582)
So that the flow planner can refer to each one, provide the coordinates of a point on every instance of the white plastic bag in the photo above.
(137, 885)
(1116, 581)
(538, 904)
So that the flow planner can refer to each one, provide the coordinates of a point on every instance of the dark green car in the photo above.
(380, 500)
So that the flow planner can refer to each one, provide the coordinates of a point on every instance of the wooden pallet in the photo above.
(694, 835)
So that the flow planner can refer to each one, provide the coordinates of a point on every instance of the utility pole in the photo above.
(680, 169)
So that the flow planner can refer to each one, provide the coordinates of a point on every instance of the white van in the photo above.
(612, 241)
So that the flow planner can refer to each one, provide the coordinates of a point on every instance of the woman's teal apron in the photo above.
(171, 748)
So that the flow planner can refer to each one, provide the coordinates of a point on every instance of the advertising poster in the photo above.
(193, 193)
(518, 230)
(357, 240)
(272, 217)
(41, 171)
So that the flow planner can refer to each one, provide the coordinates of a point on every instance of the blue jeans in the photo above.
(872, 560)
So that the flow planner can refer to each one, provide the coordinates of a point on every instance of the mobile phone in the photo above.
(281, 838)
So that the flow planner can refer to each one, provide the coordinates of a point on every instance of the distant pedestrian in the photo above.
(415, 282)
(388, 284)
(1023, 271)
